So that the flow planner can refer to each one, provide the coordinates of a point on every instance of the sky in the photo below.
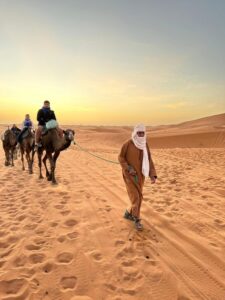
(112, 62)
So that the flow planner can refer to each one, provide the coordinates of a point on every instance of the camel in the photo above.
(53, 144)
(9, 142)
(27, 148)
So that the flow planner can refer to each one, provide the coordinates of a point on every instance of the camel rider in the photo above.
(27, 124)
(15, 130)
(44, 115)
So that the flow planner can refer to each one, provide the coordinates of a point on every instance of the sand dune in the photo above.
(70, 241)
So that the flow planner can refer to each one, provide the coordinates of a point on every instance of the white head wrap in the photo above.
(140, 143)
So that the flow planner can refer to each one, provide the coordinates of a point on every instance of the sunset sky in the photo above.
(112, 62)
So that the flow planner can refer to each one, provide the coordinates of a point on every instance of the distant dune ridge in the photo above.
(201, 133)
(204, 132)
(71, 242)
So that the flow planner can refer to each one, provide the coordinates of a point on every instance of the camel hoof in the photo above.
(49, 177)
(6, 164)
(41, 177)
(54, 183)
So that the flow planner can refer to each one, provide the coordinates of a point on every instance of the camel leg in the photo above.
(56, 155)
(15, 153)
(6, 157)
(28, 161)
(52, 164)
(12, 156)
(48, 175)
(22, 159)
(32, 158)
(40, 152)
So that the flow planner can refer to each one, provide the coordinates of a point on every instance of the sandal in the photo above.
(138, 225)
(128, 216)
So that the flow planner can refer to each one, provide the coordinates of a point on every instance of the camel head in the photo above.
(69, 135)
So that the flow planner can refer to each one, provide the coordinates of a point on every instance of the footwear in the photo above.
(138, 225)
(44, 131)
(128, 216)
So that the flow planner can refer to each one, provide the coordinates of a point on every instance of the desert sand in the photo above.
(71, 241)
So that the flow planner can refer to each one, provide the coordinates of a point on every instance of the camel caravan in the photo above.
(47, 141)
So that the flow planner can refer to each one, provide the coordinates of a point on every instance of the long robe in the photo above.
(130, 155)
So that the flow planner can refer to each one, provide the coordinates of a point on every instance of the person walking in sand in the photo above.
(137, 164)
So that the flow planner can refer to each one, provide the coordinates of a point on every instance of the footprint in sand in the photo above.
(68, 282)
(39, 241)
(6, 253)
(4, 245)
(108, 208)
(73, 235)
(77, 201)
(3, 233)
(170, 215)
(128, 292)
(12, 287)
(59, 206)
(183, 298)
(34, 283)
(63, 201)
(71, 222)
(214, 245)
(128, 263)
(64, 257)
(24, 207)
(110, 286)
(48, 267)
(14, 228)
(61, 239)
(36, 258)
(129, 271)
(53, 224)
(81, 298)
(63, 193)
(217, 221)
(160, 209)
(65, 212)
(2, 262)
(32, 247)
(123, 253)
(20, 261)
(119, 242)
(30, 226)
(97, 256)
(40, 231)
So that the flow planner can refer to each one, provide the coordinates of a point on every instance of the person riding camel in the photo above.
(44, 116)
(15, 129)
(27, 124)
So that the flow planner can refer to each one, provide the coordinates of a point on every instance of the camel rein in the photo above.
(102, 158)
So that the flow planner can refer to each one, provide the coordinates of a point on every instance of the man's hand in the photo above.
(153, 180)
(131, 171)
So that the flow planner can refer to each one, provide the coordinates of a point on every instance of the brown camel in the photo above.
(53, 144)
(27, 148)
(9, 142)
